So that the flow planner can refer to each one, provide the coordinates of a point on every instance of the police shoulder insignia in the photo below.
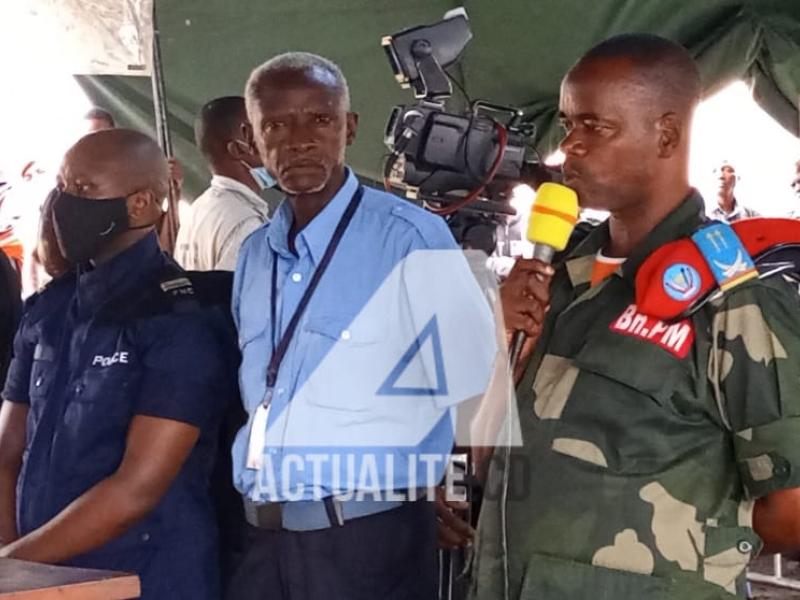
(180, 286)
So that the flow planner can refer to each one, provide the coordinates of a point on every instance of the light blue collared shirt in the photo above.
(396, 333)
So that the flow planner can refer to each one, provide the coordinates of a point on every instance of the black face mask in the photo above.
(84, 225)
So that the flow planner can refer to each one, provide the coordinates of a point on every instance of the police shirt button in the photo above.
(38, 382)
(297, 278)
(145, 537)
(346, 334)
(78, 388)
(744, 547)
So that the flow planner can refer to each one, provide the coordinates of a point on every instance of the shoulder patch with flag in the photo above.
(725, 254)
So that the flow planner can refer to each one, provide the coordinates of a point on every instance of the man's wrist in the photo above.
(29, 547)
(8, 550)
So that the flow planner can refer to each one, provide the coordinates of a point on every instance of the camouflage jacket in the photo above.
(645, 443)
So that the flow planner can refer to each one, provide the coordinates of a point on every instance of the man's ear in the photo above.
(670, 134)
(246, 130)
(248, 135)
(237, 149)
(142, 207)
(352, 127)
(242, 146)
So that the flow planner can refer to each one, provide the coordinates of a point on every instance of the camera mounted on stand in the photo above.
(461, 166)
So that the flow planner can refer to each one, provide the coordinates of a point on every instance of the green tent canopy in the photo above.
(518, 55)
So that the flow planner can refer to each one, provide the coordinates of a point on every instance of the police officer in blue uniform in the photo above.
(114, 394)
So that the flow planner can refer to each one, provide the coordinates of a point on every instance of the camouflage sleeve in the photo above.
(755, 373)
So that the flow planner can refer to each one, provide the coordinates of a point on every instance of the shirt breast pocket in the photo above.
(620, 413)
(341, 354)
(43, 372)
(98, 414)
(253, 310)
(631, 369)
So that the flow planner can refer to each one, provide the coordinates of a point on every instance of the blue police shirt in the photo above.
(85, 373)
(396, 333)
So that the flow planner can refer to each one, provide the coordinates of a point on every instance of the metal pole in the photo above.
(168, 227)
(777, 579)
(159, 91)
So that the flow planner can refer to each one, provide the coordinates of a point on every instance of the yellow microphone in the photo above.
(553, 217)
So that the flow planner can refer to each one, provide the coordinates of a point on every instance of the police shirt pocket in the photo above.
(43, 373)
(98, 414)
(105, 385)
(339, 354)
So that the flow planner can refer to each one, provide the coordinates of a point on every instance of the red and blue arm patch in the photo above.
(680, 276)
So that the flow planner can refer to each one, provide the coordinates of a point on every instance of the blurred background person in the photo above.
(47, 253)
(729, 208)
(231, 208)
(97, 118)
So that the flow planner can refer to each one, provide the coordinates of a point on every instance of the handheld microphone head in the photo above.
(553, 216)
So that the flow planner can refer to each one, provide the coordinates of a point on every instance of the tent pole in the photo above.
(168, 228)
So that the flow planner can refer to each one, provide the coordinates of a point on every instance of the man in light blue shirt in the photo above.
(361, 327)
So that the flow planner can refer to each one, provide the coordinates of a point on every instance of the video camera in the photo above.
(455, 163)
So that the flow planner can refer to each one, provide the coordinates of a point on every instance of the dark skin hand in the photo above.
(452, 530)
(13, 419)
(175, 174)
(525, 298)
(115, 504)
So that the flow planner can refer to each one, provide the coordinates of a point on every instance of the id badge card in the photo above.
(258, 437)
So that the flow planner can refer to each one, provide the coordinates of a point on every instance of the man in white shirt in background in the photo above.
(729, 209)
(231, 208)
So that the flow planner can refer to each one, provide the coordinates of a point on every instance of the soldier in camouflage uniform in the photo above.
(656, 456)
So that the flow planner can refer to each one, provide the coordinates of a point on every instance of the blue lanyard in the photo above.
(279, 351)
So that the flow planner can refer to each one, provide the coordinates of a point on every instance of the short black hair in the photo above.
(100, 114)
(666, 65)
(217, 123)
